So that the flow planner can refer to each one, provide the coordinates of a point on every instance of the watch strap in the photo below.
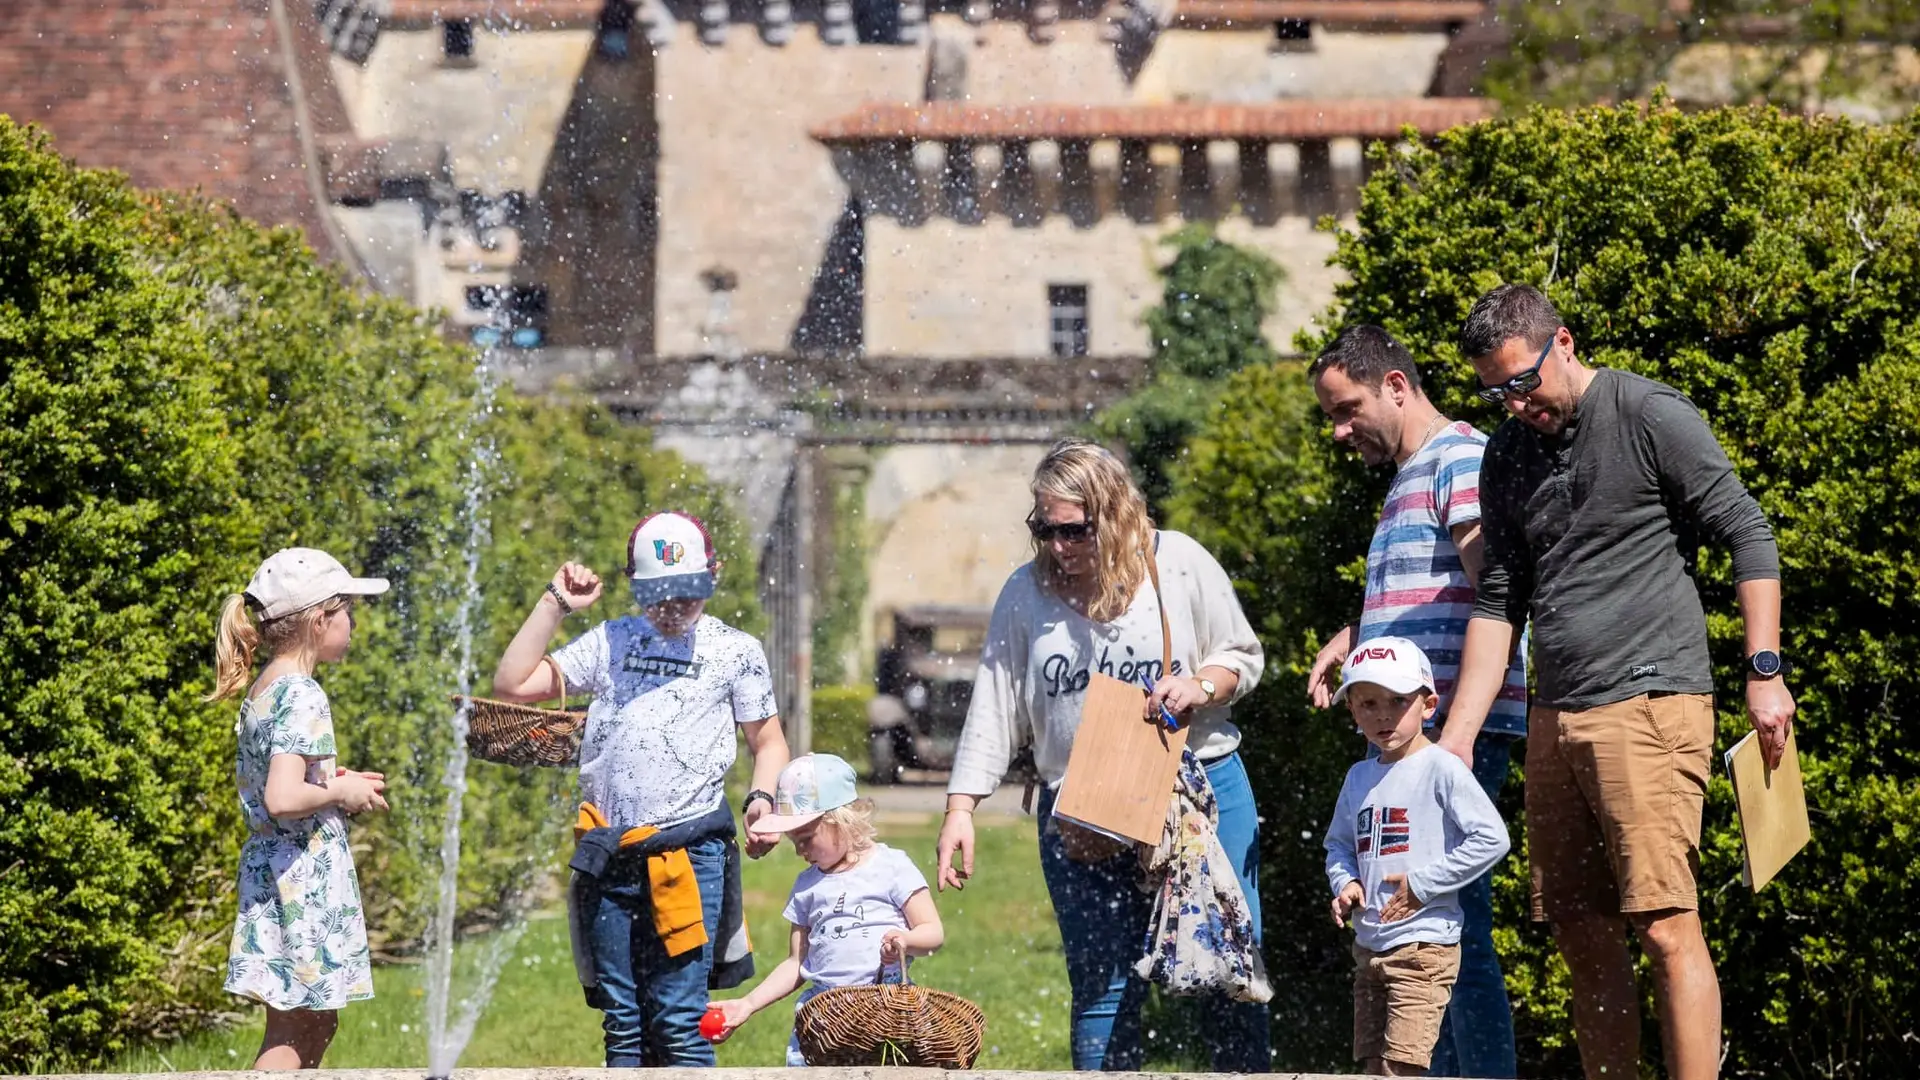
(756, 794)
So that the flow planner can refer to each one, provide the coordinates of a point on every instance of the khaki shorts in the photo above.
(1614, 797)
(1399, 997)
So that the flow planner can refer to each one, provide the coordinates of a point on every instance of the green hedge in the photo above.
(181, 392)
(840, 723)
(1768, 266)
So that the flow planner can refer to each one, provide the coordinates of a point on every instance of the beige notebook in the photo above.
(1773, 807)
(1120, 774)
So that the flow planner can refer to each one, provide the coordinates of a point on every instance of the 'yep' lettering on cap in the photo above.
(295, 579)
(809, 786)
(670, 557)
(1391, 662)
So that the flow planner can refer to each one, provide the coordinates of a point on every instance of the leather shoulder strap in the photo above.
(1160, 601)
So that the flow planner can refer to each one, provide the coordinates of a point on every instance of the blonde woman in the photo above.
(1084, 605)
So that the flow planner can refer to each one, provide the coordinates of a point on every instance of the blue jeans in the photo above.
(1476, 1033)
(1103, 919)
(654, 1000)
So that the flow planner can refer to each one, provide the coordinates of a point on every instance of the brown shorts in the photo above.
(1398, 999)
(1614, 797)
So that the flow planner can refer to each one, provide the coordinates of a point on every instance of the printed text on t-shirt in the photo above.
(1057, 670)
(660, 667)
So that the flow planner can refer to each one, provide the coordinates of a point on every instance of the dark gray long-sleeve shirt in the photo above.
(1594, 533)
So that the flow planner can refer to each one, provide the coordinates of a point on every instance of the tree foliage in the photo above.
(1214, 297)
(1765, 265)
(1797, 53)
(181, 393)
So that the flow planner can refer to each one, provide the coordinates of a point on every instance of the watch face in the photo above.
(1766, 663)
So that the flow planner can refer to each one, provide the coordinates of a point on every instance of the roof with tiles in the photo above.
(530, 14)
(1365, 14)
(190, 94)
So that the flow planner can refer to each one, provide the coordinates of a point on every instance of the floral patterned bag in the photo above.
(1201, 938)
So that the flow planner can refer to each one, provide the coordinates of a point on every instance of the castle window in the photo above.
(456, 42)
(1067, 320)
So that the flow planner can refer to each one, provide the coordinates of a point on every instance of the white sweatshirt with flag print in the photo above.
(1424, 817)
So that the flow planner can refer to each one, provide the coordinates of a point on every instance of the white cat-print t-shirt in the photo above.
(848, 913)
(660, 732)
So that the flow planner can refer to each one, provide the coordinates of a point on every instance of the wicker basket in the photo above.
(890, 1024)
(513, 734)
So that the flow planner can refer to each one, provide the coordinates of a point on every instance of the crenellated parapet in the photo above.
(1266, 160)
(354, 23)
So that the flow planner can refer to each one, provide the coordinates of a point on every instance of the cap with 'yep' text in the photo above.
(670, 557)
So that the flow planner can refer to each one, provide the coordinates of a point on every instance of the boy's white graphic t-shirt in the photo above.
(848, 913)
(660, 730)
(1425, 817)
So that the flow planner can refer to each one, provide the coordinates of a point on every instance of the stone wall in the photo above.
(946, 524)
(744, 192)
(947, 289)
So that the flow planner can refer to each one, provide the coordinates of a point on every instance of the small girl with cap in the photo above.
(859, 907)
(655, 900)
(300, 941)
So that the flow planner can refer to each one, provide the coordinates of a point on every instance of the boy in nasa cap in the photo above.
(670, 686)
(1412, 827)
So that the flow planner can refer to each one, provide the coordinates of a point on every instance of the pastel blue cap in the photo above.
(809, 786)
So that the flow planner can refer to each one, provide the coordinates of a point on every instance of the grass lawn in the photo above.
(1003, 952)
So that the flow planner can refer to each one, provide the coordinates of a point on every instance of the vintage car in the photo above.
(923, 682)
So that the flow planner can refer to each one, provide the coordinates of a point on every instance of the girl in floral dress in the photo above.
(300, 941)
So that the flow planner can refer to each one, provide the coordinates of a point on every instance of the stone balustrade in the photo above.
(776, 19)
(1149, 162)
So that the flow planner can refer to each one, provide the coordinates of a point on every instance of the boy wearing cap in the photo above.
(656, 894)
(858, 907)
(1411, 828)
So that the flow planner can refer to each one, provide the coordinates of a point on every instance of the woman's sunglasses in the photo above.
(1524, 383)
(1072, 531)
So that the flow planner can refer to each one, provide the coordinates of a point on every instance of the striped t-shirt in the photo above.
(1416, 586)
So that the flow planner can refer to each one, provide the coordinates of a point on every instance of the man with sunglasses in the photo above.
(1596, 495)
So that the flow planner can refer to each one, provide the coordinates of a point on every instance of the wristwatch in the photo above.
(1766, 663)
(1207, 688)
(746, 804)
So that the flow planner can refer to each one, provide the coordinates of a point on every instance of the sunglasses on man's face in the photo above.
(1524, 383)
(1071, 531)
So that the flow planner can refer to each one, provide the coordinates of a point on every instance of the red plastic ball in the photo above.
(712, 1023)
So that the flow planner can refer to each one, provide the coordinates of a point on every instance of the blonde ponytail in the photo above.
(233, 648)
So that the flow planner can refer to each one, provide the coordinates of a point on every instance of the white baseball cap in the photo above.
(809, 786)
(295, 579)
(670, 557)
(1391, 662)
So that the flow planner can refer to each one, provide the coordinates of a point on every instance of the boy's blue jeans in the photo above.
(1103, 919)
(1476, 1032)
(654, 1000)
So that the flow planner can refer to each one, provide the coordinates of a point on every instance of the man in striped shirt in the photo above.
(1422, 569)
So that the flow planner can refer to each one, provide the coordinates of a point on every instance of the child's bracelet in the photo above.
(565, 608)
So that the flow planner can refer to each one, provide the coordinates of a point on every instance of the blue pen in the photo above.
(1166, 714)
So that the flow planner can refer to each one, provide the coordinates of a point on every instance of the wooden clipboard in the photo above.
(1772, 805)
(1121, 772)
